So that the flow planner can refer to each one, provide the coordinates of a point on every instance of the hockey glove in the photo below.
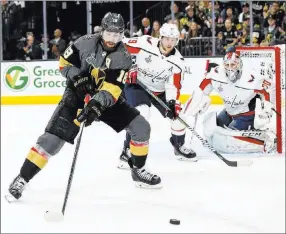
(82, 83)
(91, 112)
(263, 114)
(175, 108)
(132, 75)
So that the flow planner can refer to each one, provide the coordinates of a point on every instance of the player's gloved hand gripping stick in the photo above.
(203, 141)
(56, 216)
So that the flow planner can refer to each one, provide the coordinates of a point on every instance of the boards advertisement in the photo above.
(40, 82)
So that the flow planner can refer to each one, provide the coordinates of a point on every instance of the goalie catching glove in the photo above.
(263, 114)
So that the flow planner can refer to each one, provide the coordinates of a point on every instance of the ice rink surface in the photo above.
(207, 196)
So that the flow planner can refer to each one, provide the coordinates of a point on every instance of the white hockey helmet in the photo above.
(233, 66)
(171, 31)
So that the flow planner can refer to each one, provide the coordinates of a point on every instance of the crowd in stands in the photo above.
(232, 25)
(195, 21)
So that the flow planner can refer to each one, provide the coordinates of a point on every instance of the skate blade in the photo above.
(148, 186)
(10, 198)
(182, 158)
(123, 165)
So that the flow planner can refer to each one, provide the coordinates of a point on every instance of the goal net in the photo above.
(270, 61)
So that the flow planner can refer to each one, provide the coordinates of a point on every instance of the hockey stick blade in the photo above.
(54, 216)
(241, 163)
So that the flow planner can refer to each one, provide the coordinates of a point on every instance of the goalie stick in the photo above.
(203, 141)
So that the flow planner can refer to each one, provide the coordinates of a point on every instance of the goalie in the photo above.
(243, 125)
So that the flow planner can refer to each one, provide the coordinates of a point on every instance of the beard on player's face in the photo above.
(109, 44)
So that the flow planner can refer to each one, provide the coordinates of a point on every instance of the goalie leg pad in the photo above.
(226, 140)
(61, 123)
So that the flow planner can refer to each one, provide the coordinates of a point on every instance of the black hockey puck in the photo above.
(175, 221)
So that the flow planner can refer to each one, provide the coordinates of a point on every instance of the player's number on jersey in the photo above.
(68, 52)
(122, 77)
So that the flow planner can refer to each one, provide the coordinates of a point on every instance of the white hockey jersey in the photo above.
(238, 97)
(158, 72)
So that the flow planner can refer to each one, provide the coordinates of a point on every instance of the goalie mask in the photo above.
(169, 37)
(112, 29)
(232, 66)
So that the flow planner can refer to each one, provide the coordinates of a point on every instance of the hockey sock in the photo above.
(139, 151)
(34, 162)
(127, 141)
(178, 139)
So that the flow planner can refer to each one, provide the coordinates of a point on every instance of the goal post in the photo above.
(271, 62)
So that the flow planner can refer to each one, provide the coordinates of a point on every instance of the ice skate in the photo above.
(123, 159)
(16, 189)
(145, 179)
(183, 153)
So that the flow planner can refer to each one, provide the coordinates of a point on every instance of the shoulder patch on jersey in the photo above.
(149, 40)
(252, 78)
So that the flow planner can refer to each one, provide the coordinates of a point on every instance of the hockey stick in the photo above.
(55, 216)
(203, 141)
(277, 113)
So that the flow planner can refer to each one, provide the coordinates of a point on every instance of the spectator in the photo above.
(58, 44)
(230, 33)
(220, 43)
(272, 32)
(48, 48)
(32, 50)
(219, 24)
(229, 15)
(185, 22)
(257, 36)
(193, 31)
(245, 11)
(274, 10)
(244, 37)
(257, 7)
(207, 27)
(177, 14)
(234, 5)
(246, 21)
(146, 28)
(156, 29)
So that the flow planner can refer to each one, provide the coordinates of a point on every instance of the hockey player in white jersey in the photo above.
(243, 125)
(159, 66)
